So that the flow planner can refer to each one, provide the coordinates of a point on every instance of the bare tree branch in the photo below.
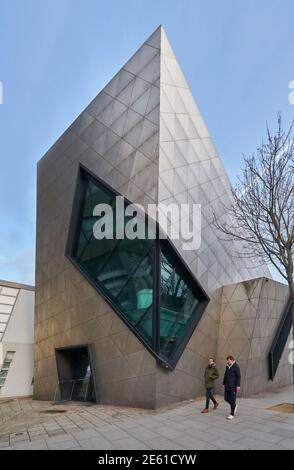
(260, 215)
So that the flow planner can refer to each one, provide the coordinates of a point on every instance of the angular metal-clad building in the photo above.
(132, 321)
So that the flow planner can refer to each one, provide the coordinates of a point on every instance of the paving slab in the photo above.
(176, 427)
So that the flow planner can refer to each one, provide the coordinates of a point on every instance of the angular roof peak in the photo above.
(144, 135)
(159, 40)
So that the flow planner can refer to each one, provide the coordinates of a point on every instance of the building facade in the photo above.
(16, 339)
(132, 322)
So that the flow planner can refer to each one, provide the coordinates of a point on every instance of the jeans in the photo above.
(209, 396)
(230, 397)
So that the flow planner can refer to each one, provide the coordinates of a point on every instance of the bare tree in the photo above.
(261, 215)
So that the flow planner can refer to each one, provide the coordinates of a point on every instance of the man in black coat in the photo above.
(231, 383)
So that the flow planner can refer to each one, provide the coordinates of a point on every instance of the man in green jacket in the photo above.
(210, 375)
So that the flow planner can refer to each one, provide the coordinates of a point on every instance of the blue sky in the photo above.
(237, 55)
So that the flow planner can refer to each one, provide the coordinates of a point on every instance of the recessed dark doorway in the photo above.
(75, 376)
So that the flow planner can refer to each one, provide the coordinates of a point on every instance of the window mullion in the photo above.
(156, 296)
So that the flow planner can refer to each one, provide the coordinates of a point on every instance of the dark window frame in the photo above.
(83, 175)
(91, 363)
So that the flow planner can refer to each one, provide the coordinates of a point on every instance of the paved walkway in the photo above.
(43, 425)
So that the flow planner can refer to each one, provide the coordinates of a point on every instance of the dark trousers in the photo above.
(230, 397)
(209, 396)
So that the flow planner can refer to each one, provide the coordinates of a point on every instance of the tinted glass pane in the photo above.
(6, 364)
(121, 268)
(121, 264)
(88, 244)
(65, 390)
(136, 297)
(123, 271)
(178, 301)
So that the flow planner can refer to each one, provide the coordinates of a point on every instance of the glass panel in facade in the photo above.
(177, 303)
(121, 268)
(144, 280)
(5, 366)
(136, 297)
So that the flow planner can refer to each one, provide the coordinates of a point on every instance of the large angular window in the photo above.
(178, 300)
(144, 280)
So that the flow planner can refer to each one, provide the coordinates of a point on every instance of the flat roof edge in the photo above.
(16, 285)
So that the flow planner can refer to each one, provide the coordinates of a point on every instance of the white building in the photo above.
(16, 339)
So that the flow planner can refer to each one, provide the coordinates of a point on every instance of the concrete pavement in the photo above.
(43, 425)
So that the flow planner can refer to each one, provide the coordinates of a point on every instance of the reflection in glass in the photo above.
(144, 280)
(178, 301)
(121, 268)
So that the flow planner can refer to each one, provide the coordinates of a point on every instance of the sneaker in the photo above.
(235, 410)
(204, 411)
(230, 417)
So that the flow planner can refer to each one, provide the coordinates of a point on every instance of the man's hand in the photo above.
(238, 389)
